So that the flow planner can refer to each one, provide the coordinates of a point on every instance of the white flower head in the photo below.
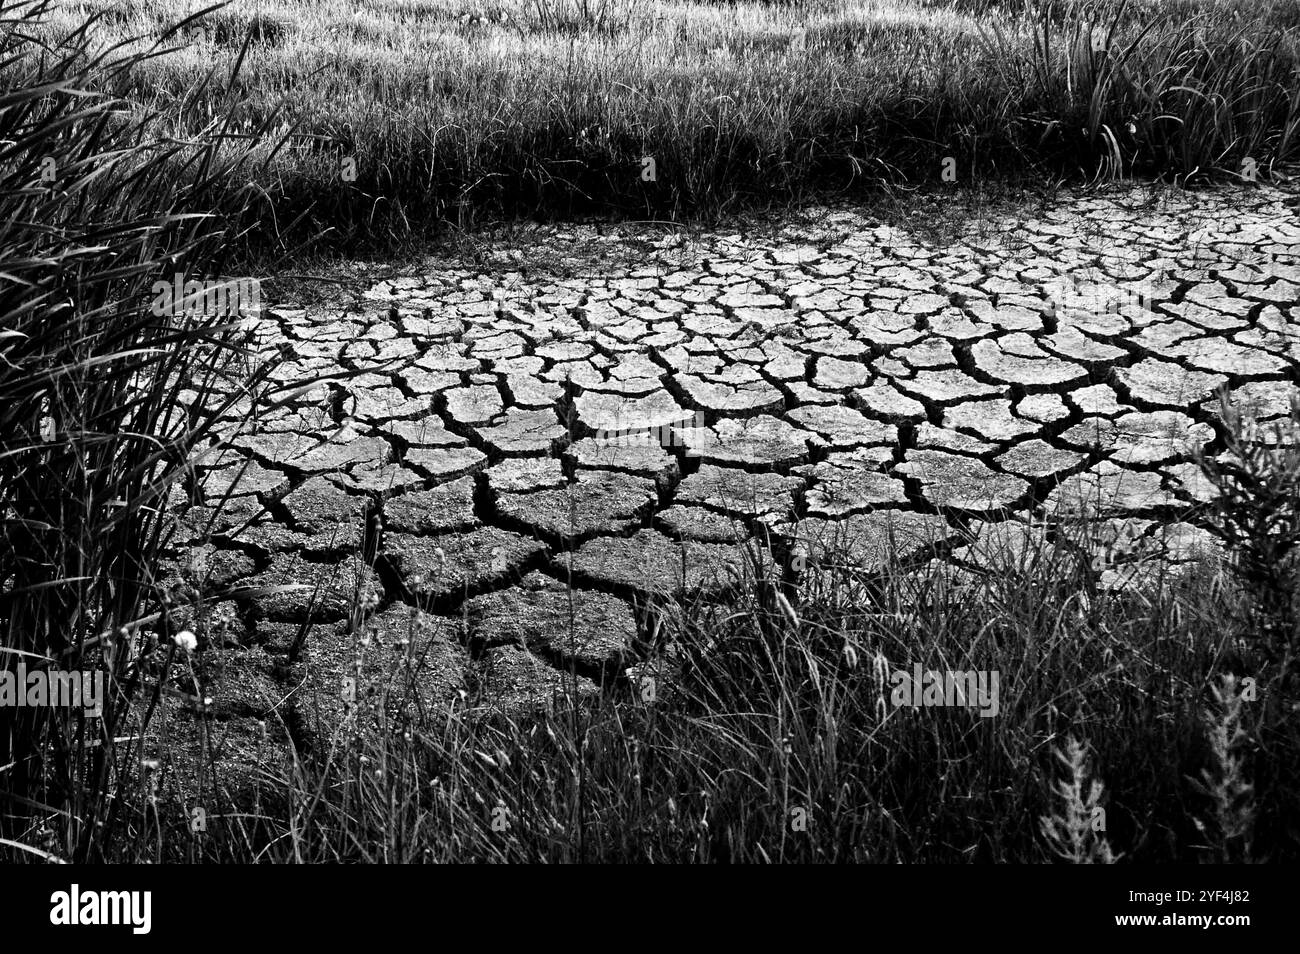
(186, 640)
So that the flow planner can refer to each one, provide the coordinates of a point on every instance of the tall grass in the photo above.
(780, 743)
(1192, 97)
(1257, 480)
(460, 112)
(103, 402)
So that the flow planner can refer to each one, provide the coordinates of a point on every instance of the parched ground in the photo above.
(644, 427)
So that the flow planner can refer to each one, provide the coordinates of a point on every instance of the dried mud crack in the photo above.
(540, 465)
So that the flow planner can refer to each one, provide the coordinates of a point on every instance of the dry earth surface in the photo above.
(633, 426)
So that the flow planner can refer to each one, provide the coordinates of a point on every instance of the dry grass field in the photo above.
(388, 116)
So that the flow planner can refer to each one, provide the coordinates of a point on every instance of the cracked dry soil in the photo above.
(636, 429)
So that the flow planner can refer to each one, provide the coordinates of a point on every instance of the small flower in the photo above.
(186, 640)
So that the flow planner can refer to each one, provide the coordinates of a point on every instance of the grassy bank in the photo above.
(99, 394)
(1144, 723)
(403, 113)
